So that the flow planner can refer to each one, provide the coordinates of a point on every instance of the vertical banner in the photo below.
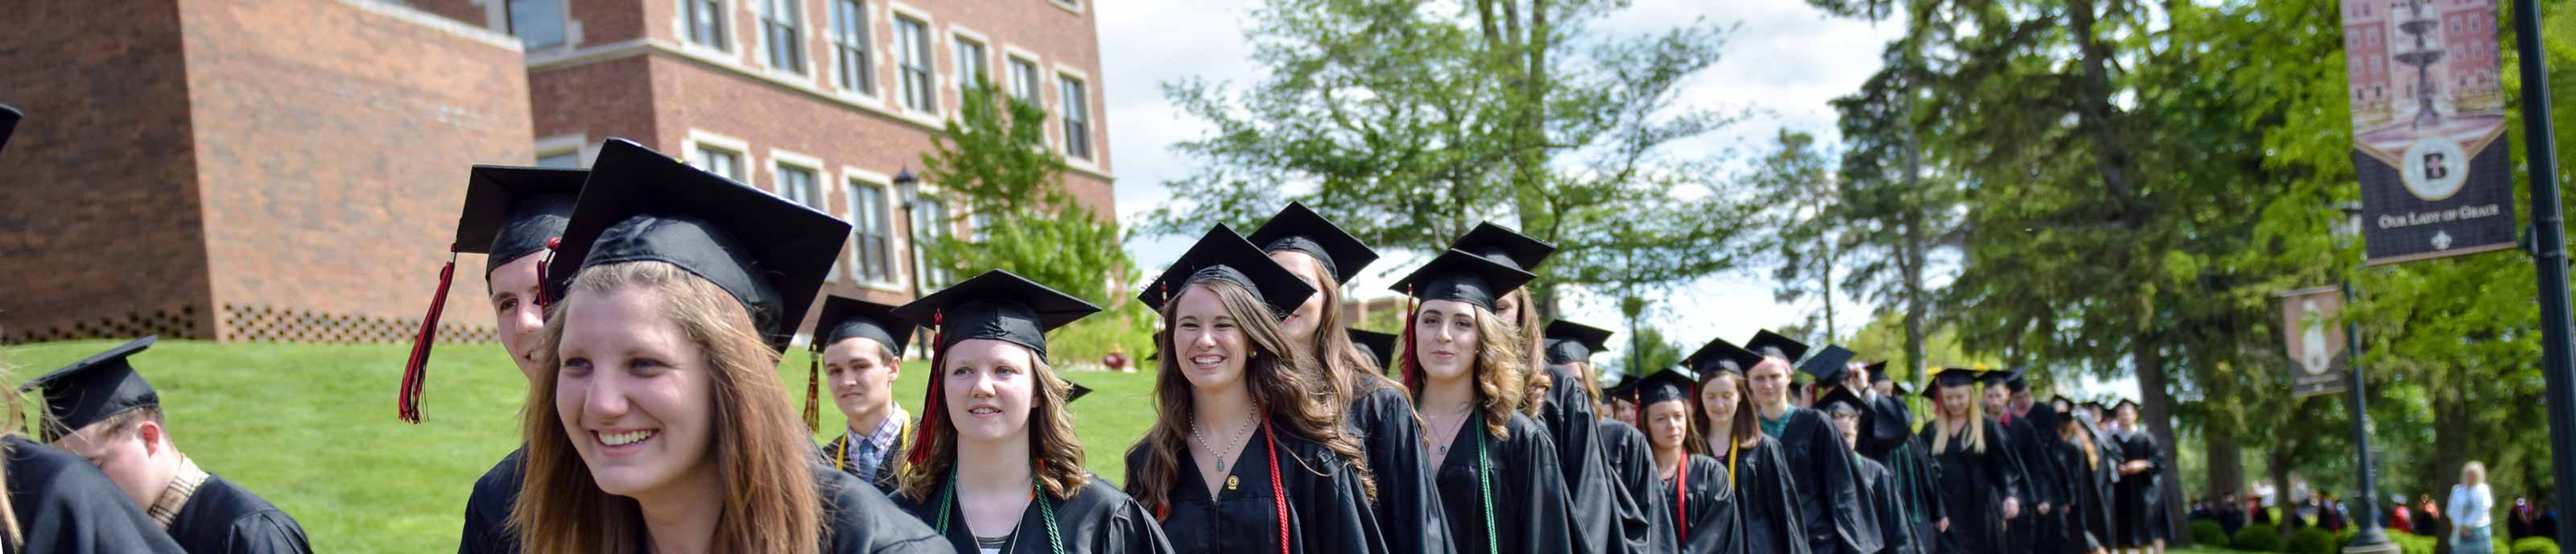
(2315, 340)
(2428, 127)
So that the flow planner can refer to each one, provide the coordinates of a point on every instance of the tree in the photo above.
(1806, 239)
(1409, 121)
(993, 159)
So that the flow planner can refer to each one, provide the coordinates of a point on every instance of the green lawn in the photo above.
(312, 427)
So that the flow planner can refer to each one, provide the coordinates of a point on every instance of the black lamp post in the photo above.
(908, 188)
(2369, 539)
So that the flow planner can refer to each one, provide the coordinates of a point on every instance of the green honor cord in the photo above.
(1485, 492)
(1046, 512)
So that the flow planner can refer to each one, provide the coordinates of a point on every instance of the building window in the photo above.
(929, 224)
(1077, 120)
(912, 42)
(537, 23)
(719, 161)
(797, 184)
(569, 159)
(1024, 81)
(850, 46)
(706, 23)
(782, 27)
(973, 65)
(871, 236)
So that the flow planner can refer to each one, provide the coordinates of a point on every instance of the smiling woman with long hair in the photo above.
(1696, 485)
(1765, 504)
(664, 426)
(997, 468)
(1498, 475)
(1247, 452)
(1378, 412)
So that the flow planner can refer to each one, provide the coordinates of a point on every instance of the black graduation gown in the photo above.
(2081, 501)
(837, 455)
(1878, 491)
(487, 510)
(2104, 522)
(1607, 520)
(2138, 496)
(1974, 485)
(222, 517)
(1766, 505)
(2031, 436)
(1704, 513)
(1097, 520)
(1327, 507)
(64, 505)
(1408, 505)
(1918, 495)
(865, 522)
(1632, 459)
(1888, 424)
(1828, 501)
(1530, 509)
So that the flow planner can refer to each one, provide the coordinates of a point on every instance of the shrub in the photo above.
(2258, 538)
(2311, 541)
(2208, 533)
(2535, 545)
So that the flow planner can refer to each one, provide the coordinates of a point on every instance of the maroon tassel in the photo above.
(542, 301)
(930, 408)
(1412, 363)
(416, 371)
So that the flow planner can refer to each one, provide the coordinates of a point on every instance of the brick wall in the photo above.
(99, 224)
(333, 161)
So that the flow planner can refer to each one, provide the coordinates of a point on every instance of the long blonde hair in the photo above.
(1498, 370)
(1284, 383)
(1057, 453)
(760, 447)
(1975, 427)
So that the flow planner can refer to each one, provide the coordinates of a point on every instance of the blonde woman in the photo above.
(1498, 476)
(2470, 505)
(1978, 482)
(663, 426)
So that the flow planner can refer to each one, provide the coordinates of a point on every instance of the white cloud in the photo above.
(1783, 57)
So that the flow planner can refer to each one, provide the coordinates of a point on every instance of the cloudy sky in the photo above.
(1784, 58)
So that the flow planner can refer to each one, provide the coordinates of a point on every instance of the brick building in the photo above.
(291, 169)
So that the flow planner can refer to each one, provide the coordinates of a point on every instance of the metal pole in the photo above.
(2369, 538)
(2549, 245)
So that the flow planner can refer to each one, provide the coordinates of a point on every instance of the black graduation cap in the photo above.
(1828, 364)
(94, 389)
(1504, 245)
(1378, 346)
(510, 213)
(1458, 275)
(1664, 386)
(1076, 392)
(1768, 343)
(1298, 229)
(1569, 342)
(1626, 385)
(1952, 377)
(844, 318)
(997, 305)
(2018, 380)
(1903, 389)
(1719, 355)
(1222, 255)
(2095, 405)
(8, 123)
(640, 205)
(1998, 377)
(1842, 397)
(1878, 372)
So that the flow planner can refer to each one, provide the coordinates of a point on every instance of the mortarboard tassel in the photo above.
(542, 301)
(416, 370)
(1412, 364)
(930, 409)
(813, 387)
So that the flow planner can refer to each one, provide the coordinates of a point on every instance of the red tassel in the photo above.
(930, 408)
(1412, 361)
(1278, 493)
(542, 301)
(1681, 504)
(416, 370)
(813, 388)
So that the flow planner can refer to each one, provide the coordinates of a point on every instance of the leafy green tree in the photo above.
(1807, 243)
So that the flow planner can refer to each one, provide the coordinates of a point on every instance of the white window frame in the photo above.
(732, 39)
(804, 52)
(896, 257)
(1074, 6)
(898, 11)
(1090, 124)
(575, 143)
(498, 13)
(957, 77)
(741, 149)
(1012, 54)
(835, 41)
(779, 162)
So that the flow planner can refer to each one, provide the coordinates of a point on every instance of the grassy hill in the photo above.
(312, 427)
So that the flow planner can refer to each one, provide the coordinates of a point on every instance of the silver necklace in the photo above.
(1456, 423)
(1220, 455)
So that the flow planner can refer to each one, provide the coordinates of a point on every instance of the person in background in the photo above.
(859, 347)
(1116, 359)
(1976, 466)
(2547, 524)
(1694, 487)
(103, 410)
(2517, 521)
(2401, 517)
(2470, 505)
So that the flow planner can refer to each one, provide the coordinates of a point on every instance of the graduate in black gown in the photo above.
(1378, 412)
(2141, 467)
(104, 410)
(1693, 487)
(2027, 429)
(688, 288)
(2080, 468)
(1766, 506)
(1850, 414)
(1622, 403)
(2102, 522)
(510, 215)
(1973, 460)
(1497, 469)
(1908, 462)
(1632, 461)
(1567, 409)
(1828, 492)
(1243, 456)
(858, 350)
(997, 467)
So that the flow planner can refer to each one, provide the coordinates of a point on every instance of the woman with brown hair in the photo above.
(1765, 498)
(1498, 475)
(1702, 504)
(1247, 453)
(664, 426)
(996, 467)
(1977, 478)
(1379, 413)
